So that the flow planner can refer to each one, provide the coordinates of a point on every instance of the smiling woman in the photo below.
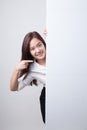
(32, 67)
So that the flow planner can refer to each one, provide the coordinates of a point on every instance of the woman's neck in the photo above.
(42, 62)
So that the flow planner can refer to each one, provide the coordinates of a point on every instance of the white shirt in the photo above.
(37, 72)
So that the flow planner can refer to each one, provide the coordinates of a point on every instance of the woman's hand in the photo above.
(23, 64)
(45, 33)
(16, 73)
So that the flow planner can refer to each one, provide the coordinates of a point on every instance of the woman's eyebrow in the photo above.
(38, 42)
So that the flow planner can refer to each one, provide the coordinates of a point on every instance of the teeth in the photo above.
(39, 54)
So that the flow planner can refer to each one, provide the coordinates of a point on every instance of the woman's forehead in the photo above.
(34, 41)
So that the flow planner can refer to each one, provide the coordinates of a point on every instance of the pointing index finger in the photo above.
(28, 61)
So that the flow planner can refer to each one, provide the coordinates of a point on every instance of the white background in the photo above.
(18, 110)
(67, 65)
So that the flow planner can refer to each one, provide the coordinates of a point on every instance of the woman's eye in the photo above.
(32, 49)
(39, 44)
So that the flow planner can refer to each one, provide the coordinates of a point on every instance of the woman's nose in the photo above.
(37, 50)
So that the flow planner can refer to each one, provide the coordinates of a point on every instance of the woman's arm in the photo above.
(16, 73)
(14, 80)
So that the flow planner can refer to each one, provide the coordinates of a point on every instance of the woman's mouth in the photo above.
(40, 54)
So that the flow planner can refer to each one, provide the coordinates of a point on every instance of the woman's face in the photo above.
(37, 49)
